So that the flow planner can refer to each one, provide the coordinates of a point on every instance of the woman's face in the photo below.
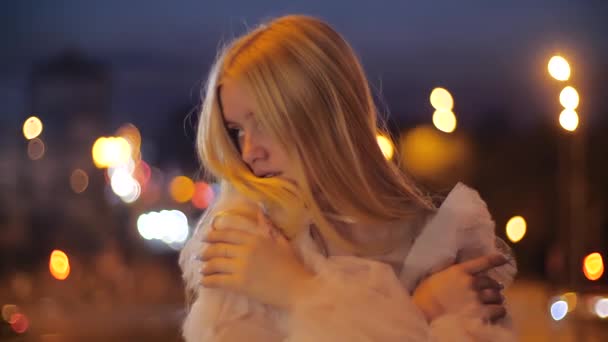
(263, 154)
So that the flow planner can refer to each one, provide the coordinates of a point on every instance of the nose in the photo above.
(251, 150)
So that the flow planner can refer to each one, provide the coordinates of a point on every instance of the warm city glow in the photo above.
(516, 228)
(444, 121)
(59, 265)
(79, 181)
(441, 99)
(593, 266)
(35, 149)
(568, 97)
(559, 68)
(32, 127)
(181, 189)
(386, 146)
(571, 299)
(568, 119)
(111, 151)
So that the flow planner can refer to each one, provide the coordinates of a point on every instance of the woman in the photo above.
(315, 236)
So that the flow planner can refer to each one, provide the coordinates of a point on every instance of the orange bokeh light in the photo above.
(593, 266)
(59, 265)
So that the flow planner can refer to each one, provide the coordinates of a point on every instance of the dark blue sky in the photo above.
(488, 53)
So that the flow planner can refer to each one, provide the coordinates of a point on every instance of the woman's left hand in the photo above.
(264, 267)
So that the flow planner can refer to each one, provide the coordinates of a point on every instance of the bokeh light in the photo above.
(19, 323)
(571, 299)
(444, 121)
(8, 310)
(32, 127)
(559, 310)
(169, 226)
(559, 68)
(442, 100)
(516, 228)
(59, 265)
(568, 119)
(203, 195)
(593, 266)
(386, 146)
(601, 307)
(79, 181)
(122, 182)
(111, 151)
(181, 189)
(131, 133)
(568, 97)
(35, 149)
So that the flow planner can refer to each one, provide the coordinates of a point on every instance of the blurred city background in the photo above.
(100, 184)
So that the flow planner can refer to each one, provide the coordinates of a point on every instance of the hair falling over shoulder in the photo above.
(316, 101)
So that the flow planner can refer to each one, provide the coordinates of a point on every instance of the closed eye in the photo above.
(235, 134)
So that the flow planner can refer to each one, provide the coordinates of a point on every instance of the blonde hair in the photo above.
(312, 95)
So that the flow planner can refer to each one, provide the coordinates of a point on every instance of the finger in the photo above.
(483, 263)
(482, 281)
(228, 235)
(219, 280)
(490, 296)
(233, 219)
(218, 265)
(494, 312)
(220, 250)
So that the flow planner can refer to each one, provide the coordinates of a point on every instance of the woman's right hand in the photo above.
(462, 285)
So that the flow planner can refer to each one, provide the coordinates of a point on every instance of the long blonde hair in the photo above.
(312, 95)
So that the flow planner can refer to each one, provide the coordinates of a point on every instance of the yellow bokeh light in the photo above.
(386, 146)
(516, 228)
(132, 135)
(568, 97)
(441, 99)
(593, 266)
(572, 300)
(181, 189)
(559, 68)
(444, 121)
(35, 149)
(32, 127)
(59, 265)
(111, 151)
(79, 181)
(568, 119)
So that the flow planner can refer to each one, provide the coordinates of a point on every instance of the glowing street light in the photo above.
(593, 266)
(568, 119)
(559, 68)
(32, 127)
(569, 98)
(516, 228)
(386, 146)
(444, 121)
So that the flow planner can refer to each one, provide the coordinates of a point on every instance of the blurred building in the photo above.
(45, 196)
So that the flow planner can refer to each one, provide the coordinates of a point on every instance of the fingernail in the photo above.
(501, 285)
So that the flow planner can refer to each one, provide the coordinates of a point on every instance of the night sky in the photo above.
(489, 54)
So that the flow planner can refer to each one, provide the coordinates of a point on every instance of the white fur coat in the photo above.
(361, 299)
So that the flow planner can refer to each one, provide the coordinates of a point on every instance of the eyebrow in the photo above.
(228, 122)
